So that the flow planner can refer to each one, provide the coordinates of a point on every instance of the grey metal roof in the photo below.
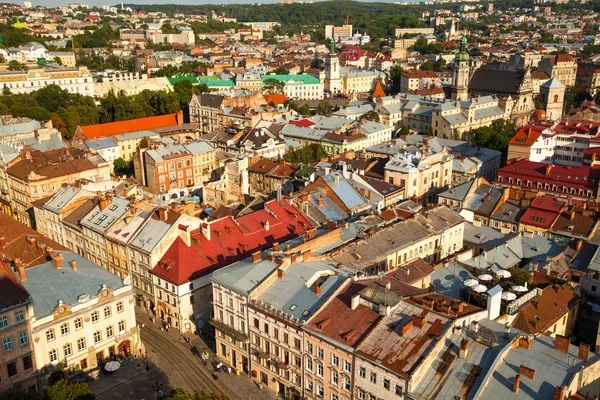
(552, 368)
(291, 294)
(101, 143)
(198, 147)
(24, 126)
(485, 235)
(47, 284)
(448, 280)
(61, 198)
(344, 190)
(100, 220)
(244, 275)
(150, 235)
(458, 192)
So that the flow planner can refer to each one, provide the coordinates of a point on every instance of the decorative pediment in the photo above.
(61, 310)
(105, 294)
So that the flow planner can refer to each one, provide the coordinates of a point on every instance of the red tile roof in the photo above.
(530, 173)
(230, 240)
(539, 218)
(275, 98)
(541, 313)
(132, 125)
(525, 137)
(303, 122)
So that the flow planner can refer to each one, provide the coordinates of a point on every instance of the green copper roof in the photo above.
(462, 55)
(331, 47)
(178, 78)
(307, 79)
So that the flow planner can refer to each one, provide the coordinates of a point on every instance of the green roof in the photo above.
(178, 78)
(219, 83)
(307, 79)
(207, 78)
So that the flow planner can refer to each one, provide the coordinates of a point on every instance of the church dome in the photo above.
(539, 115)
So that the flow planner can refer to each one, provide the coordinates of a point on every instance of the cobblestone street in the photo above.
(184, 368)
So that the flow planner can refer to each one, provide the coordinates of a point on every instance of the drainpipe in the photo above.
(248, 330)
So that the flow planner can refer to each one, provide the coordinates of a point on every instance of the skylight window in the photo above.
(293, 307)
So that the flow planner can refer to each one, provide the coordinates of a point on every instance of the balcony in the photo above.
(276, 362)
(228, 330)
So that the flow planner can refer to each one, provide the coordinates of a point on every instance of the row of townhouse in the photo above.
(60, 314)
(306, 327)
(168, 256)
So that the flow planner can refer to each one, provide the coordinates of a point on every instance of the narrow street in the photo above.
(184, 368)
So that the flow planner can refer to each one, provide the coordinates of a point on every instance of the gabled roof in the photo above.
(132, 125)
(230, 240)
(539, 314)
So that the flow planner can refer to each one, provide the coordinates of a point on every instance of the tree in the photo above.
(273, 86)
(52, 97)
(16, 66)
(404, 131)
(58, 61)
(395, 76)
(281, 71)
(495, 136)
(167, 28)
(324, 108)
(184, 90)
(182, 394)
(2, 58)
(519, 276)
(371, 116)
(307, 154)
(58, 123)
(15, 393)
(63, 390)
(120, 164)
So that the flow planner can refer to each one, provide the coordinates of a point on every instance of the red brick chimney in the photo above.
(584, 351)
(517, 383)
(57, 260)
(527, 372)
(275, 246)
(464, 349)
(560, 393)
(293, 258)
(256, 257)
(280, 273)
(31, 240)
(74, 265)
(561, 344)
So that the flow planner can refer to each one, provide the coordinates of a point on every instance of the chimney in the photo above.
(104, 203)
(331, 225)
(461, 307)
(57, 260)
(280, 273)
(184, 234)
(584, 351)
(579, 244)
(22, 273)
(275, 246)
(267, 226)
(560, 393)
(418, 322)
(163, 213)
(527, 372)
(524, 342)
(406, 327)
(517, 383)
(464, 349)
(306, 256)
(256, 257)
(30, 240)
(316, 289)
(49, 251)
(74, 265)
(2, 242)
(355, 301)
(336, 177)
(321, 202)
(561, 344)
(293, 258)
(548, 169)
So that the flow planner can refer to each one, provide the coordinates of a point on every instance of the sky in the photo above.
(55, 3)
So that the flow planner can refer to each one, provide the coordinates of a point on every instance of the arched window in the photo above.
(556, 98)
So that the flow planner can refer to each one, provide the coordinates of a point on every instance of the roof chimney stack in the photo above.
(22, 273)
(517, 383)
(74, 265)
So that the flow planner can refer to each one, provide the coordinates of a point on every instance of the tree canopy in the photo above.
(307, 154)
